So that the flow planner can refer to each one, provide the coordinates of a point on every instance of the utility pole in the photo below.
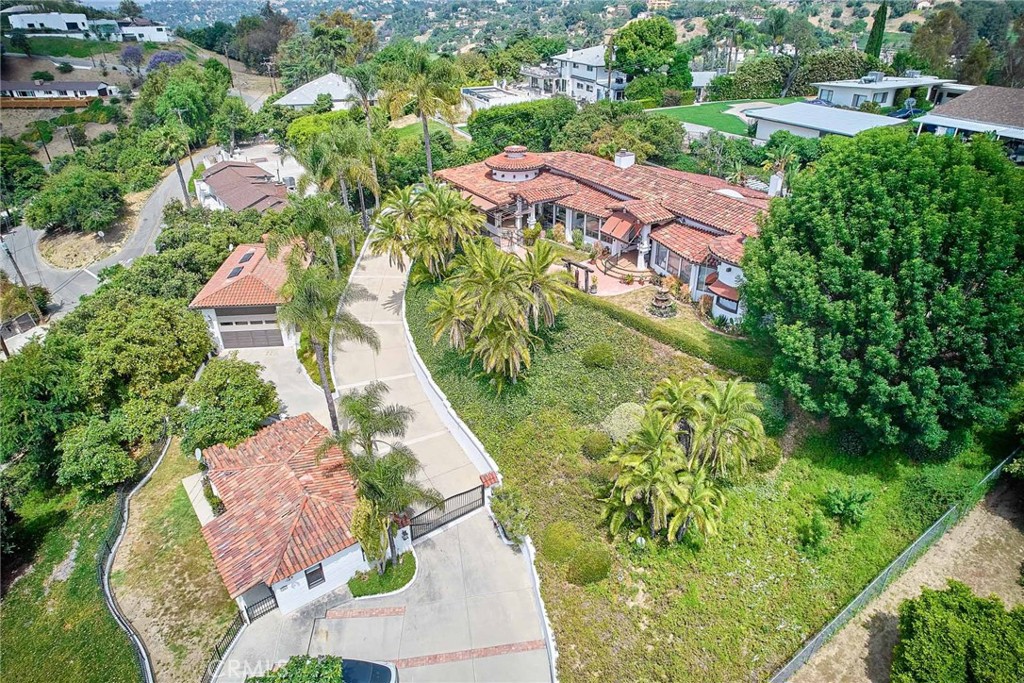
(188, 143)
(21, 277)
(269, 64)
(42, 141)
(67, 131)
(611, 61)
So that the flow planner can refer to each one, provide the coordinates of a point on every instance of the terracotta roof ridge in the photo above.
(289, 536)
(245, 466)
(304, 444)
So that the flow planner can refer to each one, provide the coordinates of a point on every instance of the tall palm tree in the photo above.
(318, 223)
(352, 155)
(172, 143)
(388, 482)
(430, 85)
(317, 156)
(390, 237)
(450, 217)
(549, 288)
(368, 418)
(314, 303)
(727, 432)
(363, 78)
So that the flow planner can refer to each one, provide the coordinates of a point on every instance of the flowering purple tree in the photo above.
(165, 57)
(131, 56)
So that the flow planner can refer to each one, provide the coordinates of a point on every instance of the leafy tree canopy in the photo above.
(92, 457)
(644, 46)
(21, 176)
(889, 283)
(600, 126)
(534, 124)
(79, 199)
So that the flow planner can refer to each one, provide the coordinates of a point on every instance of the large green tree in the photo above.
(889, 284)
(644, 46)
(78, 199)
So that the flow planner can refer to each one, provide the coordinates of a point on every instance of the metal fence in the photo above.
(221, 648)
(891, 573)
(104, 558)
(446, 511)
(261, 608)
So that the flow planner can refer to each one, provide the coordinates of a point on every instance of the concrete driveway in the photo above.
(297, 392)
(470, 615)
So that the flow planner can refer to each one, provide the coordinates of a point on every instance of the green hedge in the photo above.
(751, 365)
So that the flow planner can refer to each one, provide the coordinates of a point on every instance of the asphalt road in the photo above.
(68, 286)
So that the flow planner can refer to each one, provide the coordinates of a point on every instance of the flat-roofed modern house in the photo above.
(57, 89)
(877, 87)
(240, 301)
(986, 109)
(687, 225)
(340, 89)
(285, 535)
(815, 120)
(80, 27)
(49, 21)
(583, 75)
(240, 185)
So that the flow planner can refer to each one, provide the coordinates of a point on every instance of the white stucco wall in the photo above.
(210, 316)
(766, 128)
(57, 21)
(733, 276)
(155, 34)
(292, 592)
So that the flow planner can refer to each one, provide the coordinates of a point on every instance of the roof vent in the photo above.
(515, 151)
(624, 159)
(876, 76)
(728, 192)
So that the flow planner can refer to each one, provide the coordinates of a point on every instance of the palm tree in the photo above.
(318, 224)
(172, 143)
(368, 418)
(727, 432)
(390, 238)
(317, 156)
(451, 314)
(738, 175)
(388, 482)
(697, 501)
(430, 84)
(450, 217)
(777, 159)
(503, 349)
(314, 304)
(352, 155)
(363, 78)
(495, 284)
(549, 288)
(647, 465)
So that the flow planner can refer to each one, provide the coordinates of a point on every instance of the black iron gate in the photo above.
(261, 608)
(446, 511)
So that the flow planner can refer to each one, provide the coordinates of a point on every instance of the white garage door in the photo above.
(241, 328)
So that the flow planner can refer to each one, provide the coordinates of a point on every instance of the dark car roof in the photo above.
(359, 671)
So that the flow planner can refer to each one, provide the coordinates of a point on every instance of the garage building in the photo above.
(240, 301)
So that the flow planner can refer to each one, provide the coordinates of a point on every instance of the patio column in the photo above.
(531, 218)
(644, 248)
(568, 225)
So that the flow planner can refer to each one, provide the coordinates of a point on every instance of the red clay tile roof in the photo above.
(546, 188)
(241, 185)
(620, 226)
(284, 511)
(720, 288)
(728, 248)
(515, 158)
(689, 242)
(258, 284)
(661, 193)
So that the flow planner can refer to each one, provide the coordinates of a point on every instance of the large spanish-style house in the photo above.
(240, 301)
(583, 76)
(687, 225)
(285, 532)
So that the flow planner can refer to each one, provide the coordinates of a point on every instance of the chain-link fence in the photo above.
(892, 572)
(104, 559)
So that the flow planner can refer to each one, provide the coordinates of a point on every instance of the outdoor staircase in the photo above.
(621, 269)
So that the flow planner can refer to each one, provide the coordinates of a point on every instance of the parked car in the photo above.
(361, 671)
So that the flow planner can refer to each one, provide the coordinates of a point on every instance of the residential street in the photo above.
(68, 286)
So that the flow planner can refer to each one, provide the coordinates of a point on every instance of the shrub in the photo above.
(870, 108)
(530, 235)
(849, 506)
(93, 458)
(511, 512)
(932, 490)
(813, 533)
(560, 541)
(577, 238)
(591, 563)
(596, 446)
(65, 68)
(953, 635)
(623, 421)
(773, 409)
(599, 355)
(769, 459)
(42, 76)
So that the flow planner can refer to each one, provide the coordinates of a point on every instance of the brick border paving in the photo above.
(364, 613)
(473, 653)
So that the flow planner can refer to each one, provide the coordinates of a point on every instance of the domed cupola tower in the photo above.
(515, 164)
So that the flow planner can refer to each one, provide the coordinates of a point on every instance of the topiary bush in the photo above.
(623, 421)
(560, 541)
(591, 563)
(596, 446)
(65, 68)
(510, 510)
(599, 355)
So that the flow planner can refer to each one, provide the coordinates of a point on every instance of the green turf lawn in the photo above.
(730, 609)
(712, 114)
(415, 130)
(60, 630)
(372, 583)
(66, 47)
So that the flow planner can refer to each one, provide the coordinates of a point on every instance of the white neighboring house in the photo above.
(496, 95)
(284, 536)
(815, 120)
(985, 109)
(62, 89)
(341, 90)
(701, 80)
(78, 26)
(583, 76)
(877, 87)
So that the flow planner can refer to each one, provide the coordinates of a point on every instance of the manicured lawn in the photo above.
(713, 114)
(67, 47)
(415, 130)
(372, 583)
(164, 576)
(729, 609)
(55, 624)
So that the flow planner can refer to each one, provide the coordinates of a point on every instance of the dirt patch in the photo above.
(62, 572)
(984, 551)
(70, 250)
(403, 121)
(738, 109)
(164, 577)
